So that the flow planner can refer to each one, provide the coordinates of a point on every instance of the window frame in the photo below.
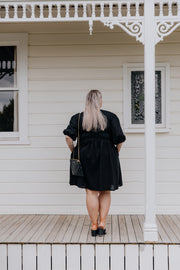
(20, 40)
(165, 77)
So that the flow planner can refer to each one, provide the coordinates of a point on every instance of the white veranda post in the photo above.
(150, 227)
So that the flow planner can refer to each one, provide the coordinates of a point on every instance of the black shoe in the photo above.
(101, 231)
(94, 232)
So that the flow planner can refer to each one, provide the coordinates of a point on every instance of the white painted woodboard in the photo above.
(70, 209)
(131, 257)
(66, 96)
(160, 257)
(76, 85)
(102, 257)
(75, 74)
(63, 200)
(146, 257)
(174, 257)
(73, 257)
(117, 257)
(29, 257)
(60, 38)
(67, 107)
(3, 256)
(58, 257)
(14, 257)
(86, 50)
(64, 63)
(87, 257)
(44, 257)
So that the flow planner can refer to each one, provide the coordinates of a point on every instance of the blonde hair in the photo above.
(93, 118)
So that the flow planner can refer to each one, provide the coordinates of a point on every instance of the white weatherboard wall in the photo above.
(64, 63)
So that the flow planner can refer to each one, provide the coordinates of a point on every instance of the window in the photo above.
(13, 89)
(134, 97)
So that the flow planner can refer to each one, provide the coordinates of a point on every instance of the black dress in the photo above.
(98, 154)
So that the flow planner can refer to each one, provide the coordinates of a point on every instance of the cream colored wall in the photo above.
(64, 62)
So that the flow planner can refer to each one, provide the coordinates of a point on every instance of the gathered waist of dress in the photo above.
(95, 137)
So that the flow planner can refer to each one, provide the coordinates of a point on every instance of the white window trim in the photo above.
(135, 128)
(21, 41)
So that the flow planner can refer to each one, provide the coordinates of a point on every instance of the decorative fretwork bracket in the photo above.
(164, 28)
(136, 28)
(133, 28)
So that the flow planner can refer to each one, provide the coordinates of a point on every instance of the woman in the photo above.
(101, 138)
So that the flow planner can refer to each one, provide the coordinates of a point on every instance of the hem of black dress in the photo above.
(117, 187)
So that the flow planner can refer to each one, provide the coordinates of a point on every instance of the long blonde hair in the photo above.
(93, 118)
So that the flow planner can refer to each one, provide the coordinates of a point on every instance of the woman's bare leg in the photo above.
(92, 203)
(104, 205)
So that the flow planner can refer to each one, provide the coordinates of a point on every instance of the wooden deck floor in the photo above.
(76, 229)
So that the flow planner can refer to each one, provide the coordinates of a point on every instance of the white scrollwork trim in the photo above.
(164, 29)
(134, 29)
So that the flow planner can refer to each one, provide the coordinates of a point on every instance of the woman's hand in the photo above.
(69, 142)
(119, 146)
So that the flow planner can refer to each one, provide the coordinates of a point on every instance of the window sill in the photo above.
(15, 141)
(142, 130)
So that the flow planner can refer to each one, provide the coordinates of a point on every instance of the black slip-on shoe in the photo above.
(94, 232)
(101, 231)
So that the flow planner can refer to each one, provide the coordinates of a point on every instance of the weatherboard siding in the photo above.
(62, 67)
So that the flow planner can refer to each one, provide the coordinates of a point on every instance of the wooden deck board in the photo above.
(77, 229)
(27, 229)
(33, 229)
(137, 229)
(130, 229)
(168, 229)
(57, 226)
(71, 228)
(85, 230)
(10, 224)
(12, 228)
(173, 228)
(37, 234)
(3, 218)
(164, 236)
(63, 229)
(123, 229)
(17, 230)
(115, 229)
(176, 222)
(49, 228)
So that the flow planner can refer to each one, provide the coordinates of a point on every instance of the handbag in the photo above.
(75, 164)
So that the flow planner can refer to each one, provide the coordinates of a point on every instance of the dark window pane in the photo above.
(137, 97)
(8, 66)
(158, 96)
(8, 111)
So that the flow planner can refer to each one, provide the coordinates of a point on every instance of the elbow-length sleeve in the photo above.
(72, 128)
(116, 130)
